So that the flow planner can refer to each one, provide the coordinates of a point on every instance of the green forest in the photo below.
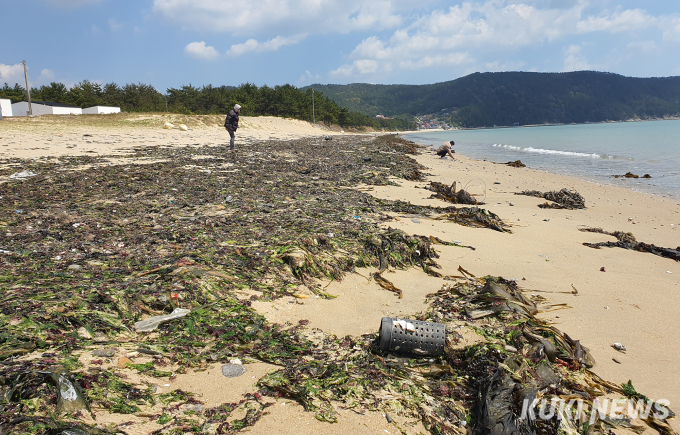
(283, 101)
(524, 98)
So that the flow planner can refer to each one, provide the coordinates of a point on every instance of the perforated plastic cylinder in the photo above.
(412, 336)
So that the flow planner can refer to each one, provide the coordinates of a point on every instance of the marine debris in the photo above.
(90, 249)
(627, 240)
(449, 194)
(516, 164)
(562, 199)
(631, 175)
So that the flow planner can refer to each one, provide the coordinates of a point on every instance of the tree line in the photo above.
(282, 101)
(509, 98)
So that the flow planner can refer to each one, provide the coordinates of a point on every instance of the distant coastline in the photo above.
(433, 130)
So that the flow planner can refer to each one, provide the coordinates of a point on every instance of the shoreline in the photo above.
(634, 301)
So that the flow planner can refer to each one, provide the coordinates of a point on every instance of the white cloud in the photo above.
(644, 46)
(114, 25)
(96, 29)
(626, 21)
(252, 45)
(284, 17)
(199, 50)
(671, 29)
(46, 75)
(574, 59)
(12, 73)
(307, 77)
(66, 4)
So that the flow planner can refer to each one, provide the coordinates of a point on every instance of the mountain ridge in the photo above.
(518, 98)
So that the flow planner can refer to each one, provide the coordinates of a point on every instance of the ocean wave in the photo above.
(562, 153)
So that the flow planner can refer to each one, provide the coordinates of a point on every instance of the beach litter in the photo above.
(620, 347)
(22, 175)
(562, 199)
(159, 240)
(154, 322)
(626, 240)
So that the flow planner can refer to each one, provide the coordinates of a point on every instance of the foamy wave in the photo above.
(544, 151)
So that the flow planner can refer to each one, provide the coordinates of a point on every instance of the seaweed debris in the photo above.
(627, 241)
(523, 364)
(449, 194)
(475, 217)
(89, 248)
(562, 199)
(631, 175)
(516, 164)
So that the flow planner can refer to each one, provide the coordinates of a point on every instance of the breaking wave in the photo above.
(562, 153)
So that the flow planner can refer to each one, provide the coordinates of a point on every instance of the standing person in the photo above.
(231, 124)
(445, 150)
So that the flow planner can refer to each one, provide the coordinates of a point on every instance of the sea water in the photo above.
(593, 152)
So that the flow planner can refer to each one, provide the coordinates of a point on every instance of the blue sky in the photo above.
(169, 43)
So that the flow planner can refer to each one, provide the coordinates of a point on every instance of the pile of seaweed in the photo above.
(627, 241)
(562, 199)
(88, 248)
(449, 194)
(524, 363)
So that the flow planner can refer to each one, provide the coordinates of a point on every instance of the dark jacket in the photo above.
(231, 122)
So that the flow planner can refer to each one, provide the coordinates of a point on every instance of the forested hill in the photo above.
(485, 99)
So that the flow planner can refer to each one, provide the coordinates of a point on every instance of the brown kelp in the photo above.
(561, 199)
(626, 240)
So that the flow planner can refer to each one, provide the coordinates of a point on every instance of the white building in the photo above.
(45, 108)
(5, 107)
(101, 110)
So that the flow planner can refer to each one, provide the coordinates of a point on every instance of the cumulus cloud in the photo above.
(574, 60)
(67, 4)
(11, 73)
(252, 45)
(199, 50)
(284, 16)
(471, 30)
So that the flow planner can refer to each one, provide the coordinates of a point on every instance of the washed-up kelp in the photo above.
(631, 175)
(524, 364)
(87, 249)
(516, 164)
(475, 217)
(449, 194)
(627, 241)
(562, 199)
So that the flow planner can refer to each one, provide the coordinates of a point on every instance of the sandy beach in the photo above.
(611, 295)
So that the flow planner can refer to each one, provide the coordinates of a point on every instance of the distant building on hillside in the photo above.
(101, 110)
(45, 108)
(5, 107)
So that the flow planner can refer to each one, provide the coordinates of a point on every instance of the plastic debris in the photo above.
(153, 322)
(620, 347)
(233, 370)
(22, 175)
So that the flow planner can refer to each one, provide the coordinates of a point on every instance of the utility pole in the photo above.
(313, 113)
(28, 91)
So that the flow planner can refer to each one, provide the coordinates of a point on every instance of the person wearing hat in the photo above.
(445, 150)
(231, 124)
